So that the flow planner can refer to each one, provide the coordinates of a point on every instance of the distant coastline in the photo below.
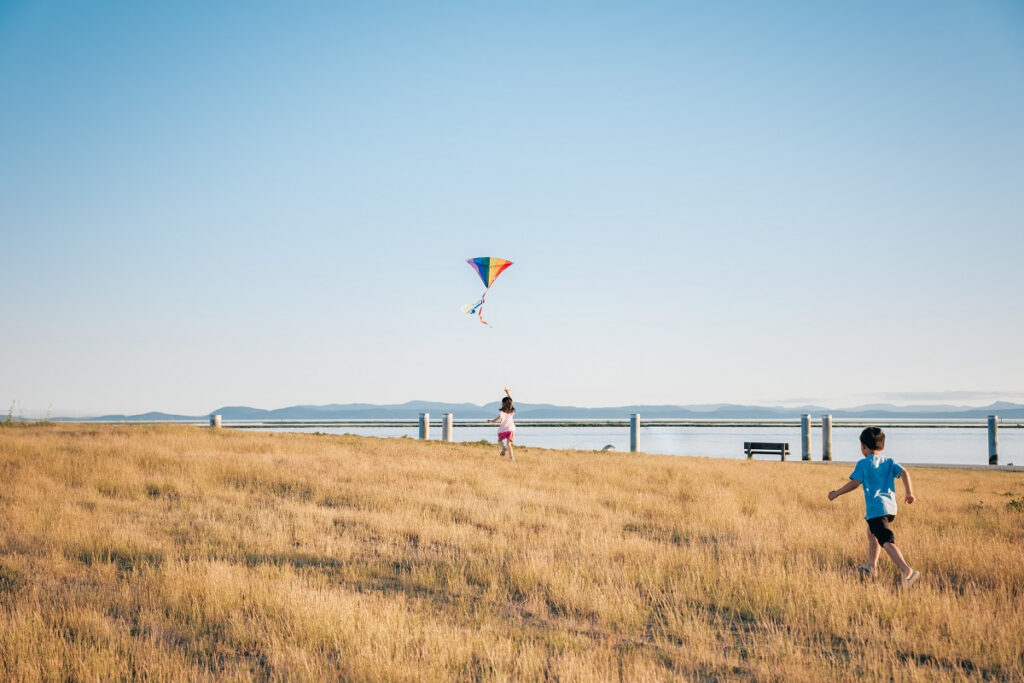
(412, 409)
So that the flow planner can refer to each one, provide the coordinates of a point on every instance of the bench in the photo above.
(753, 448)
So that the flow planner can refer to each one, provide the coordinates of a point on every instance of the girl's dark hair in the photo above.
(506, 405)
(873, 438)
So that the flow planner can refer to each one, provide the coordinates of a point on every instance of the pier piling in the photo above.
(826, 437)
(446, 427)
(805, 436)
(993, 439)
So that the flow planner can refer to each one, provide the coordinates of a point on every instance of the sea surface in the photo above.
(932, 445)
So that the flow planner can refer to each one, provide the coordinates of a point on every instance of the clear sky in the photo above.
(207, 204)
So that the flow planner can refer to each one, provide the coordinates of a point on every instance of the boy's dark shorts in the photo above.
(879, 527)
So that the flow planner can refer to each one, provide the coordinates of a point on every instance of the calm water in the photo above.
(954, 446)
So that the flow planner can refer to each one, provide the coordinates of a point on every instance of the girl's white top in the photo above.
(507, 424)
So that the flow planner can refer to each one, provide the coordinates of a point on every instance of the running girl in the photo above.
(506, 426)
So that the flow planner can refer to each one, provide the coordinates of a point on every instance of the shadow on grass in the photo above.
(10, 580)
(437, 581)
(128, 560)
(947, 666)
(296, 560)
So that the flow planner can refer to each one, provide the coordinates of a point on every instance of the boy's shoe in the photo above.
(914, 576)
(865, 572)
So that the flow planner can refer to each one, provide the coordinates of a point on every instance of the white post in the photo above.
(634, 432)
(215, 422)
(993, 439)
(446, 427)
(826, 437)
(424, 425)
(805, 435)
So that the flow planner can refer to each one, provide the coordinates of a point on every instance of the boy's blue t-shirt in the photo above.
(877, 474)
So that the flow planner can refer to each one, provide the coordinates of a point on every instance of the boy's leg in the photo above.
(897, 557)
(873, 547)
(879, 526)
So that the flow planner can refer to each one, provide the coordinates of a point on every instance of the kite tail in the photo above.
(480, 308)
(471, 308)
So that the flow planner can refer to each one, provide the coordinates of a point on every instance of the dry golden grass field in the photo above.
(183, 553)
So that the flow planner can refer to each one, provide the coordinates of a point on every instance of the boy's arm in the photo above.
(847, 487)
(908, 487)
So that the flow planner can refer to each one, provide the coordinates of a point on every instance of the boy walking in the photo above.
(878, 476)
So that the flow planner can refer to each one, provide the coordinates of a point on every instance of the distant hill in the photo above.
(412, 409)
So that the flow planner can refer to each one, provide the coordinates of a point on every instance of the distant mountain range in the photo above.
(720, 411)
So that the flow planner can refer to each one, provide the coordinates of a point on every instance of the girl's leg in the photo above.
(501, 442)
(511, 450)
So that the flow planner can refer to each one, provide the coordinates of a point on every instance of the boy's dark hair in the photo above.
(506, 405)
(873, 438)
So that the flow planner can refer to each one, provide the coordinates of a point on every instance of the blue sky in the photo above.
(267, 204)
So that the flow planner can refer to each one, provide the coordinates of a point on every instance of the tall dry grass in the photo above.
(177, 553)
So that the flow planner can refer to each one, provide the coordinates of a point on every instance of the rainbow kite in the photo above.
(488, 268)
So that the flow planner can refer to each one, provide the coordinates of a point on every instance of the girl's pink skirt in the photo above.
(506, 435)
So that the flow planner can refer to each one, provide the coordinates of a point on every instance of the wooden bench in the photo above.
(753, 448)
